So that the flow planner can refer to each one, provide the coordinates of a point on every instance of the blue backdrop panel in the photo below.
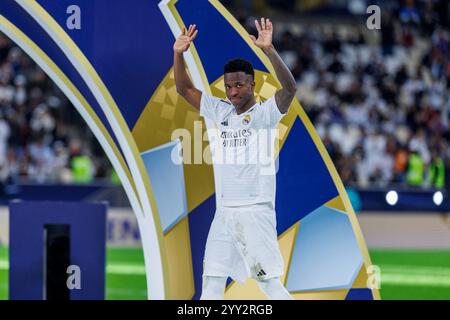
(165, 168)
(131, 70)
(87, 223)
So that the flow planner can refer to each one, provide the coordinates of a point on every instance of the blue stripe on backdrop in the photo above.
(418, 200)
(359, 294)
(303, 181)
(131, 70)
(213, 57)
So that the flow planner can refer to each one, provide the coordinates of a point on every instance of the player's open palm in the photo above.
(184, 40)
(265, 32)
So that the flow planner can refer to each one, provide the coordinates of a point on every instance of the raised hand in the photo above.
(265, 31)
(184, 40)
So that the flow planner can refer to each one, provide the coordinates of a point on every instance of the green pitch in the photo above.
(411, 274)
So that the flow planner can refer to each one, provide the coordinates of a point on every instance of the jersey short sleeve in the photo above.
(212, 107)
(272, 114)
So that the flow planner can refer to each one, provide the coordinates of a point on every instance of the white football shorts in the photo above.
(242, 243)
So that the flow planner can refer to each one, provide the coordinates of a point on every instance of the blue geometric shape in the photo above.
(326, 254)
(359, 294)
(165, 169)
(132, 70)
(303, 180)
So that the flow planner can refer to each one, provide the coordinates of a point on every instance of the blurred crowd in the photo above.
(42, 137)
(379, 99)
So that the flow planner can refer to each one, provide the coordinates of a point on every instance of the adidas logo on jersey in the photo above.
(261, 273)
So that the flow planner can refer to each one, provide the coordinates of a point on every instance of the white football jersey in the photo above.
(243, 149)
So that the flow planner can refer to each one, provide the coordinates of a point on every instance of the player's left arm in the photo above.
(286, 94)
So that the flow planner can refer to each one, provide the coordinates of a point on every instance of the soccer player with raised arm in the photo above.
(242, 240)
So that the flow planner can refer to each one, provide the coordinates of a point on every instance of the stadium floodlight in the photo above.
(392, 197)
(438, 197)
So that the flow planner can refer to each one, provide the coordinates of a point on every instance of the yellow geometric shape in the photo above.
(250, 289)
(190, 118)
(336, 203)
(220, 85)
(218, 88)
(165, 112)
(267, 90)
(321, 295)
(245, 291)
(282, 131)
(173, 95)
(179, 261)
(286, 243)
(361, 279)
(159, 96)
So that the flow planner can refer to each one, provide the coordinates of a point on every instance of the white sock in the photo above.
(213, 288)
(274, 289)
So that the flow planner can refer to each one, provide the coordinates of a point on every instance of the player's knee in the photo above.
(274, 289)
(213, 288)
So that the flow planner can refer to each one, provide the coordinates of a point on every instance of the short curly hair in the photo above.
(237, 65)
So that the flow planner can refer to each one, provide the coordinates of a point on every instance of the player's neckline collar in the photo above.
(243, 113)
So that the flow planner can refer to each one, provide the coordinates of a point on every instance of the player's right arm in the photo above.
(184, 85)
